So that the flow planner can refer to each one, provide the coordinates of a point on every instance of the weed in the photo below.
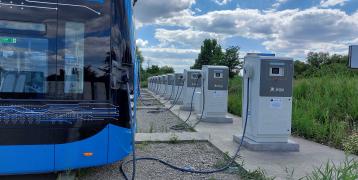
(348, 170)
(151, 128)
(82, 172)
(173, 139)
(142, 145)
(350, 145)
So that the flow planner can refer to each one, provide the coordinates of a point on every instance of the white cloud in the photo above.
(148, 11)
(329, 3)
(221, 2)
(184, 38)
(290, 32)
(287, 31)
(279, 3)
(179, 59)
(142, 43)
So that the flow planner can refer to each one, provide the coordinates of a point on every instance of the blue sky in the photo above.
(170, 32)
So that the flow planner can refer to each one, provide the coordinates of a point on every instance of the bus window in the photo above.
(23, 64)
(74, 57)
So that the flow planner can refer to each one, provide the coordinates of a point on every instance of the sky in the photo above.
(171, 32)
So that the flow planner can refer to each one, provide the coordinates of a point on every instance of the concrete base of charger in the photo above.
(251, 145)
(215, 119)
(186, 108)
(177, 102)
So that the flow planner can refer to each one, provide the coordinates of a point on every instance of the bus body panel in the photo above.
(26, 159)
(85, 153)
(80, 74)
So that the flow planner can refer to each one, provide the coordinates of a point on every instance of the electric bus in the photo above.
(67, 71)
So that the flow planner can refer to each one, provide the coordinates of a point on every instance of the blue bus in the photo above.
(67, 69)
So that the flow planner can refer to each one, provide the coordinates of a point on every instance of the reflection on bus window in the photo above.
(23, 65)
(74, 57)
(22, 26)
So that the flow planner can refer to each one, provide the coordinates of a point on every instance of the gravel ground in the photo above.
(154, 121)
(144, 102)
(198, 155)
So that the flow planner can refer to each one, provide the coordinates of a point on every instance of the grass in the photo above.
(235, 96)
(325, 109)
(348, 170)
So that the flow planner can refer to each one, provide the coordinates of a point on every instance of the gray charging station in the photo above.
(170, 86)
(353, 57)
(269, 80)
(214, 91)
(164, 85)
(192, 82)
(178, 89)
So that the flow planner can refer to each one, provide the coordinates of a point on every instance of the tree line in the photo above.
(317, 64)
(211, 53)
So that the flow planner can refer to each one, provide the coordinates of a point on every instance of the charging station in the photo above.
(159, 91)
(353, 57)
(170, 86)
(192, 82)
(214, 93)
(155, 84)
(197, 103)
(164, 85)
(267, 88)
(178, 88)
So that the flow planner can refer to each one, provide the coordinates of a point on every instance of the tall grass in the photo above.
(235, 96)
(325, 109)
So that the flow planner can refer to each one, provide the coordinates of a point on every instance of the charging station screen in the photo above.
(275, 70)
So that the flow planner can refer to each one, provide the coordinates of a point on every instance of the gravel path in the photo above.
(154, 121)
(149, 102)
(198, 155)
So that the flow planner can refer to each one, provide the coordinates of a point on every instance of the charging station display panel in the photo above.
(276, 78)
(179, 80)
(353, 57)
(194, 79)
(218, 78)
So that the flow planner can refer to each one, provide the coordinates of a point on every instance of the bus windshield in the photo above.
(55, 50)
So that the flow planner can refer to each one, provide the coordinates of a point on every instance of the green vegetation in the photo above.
(348, 170)
(235, 96)
(211, 54)
(174, 139)
(325, 109)
(350, 144)
(154, 70)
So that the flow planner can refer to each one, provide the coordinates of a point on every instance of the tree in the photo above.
(317, 59)
(300, 67)
(231, 59)
(210, 54)
(166, 70)
(154, 70)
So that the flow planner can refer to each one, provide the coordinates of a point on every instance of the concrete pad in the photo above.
(251, 145)
(177, 102)
(215, 119)
(186, 108)
(275, 164)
